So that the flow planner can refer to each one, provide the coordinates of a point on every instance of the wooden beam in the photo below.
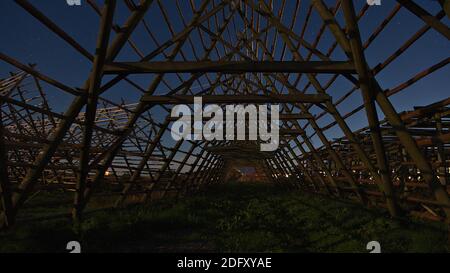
(287, 117)
(291, 132)
(429, 19)
(230, 67)
(295, 116)
(108, 158)
(91, 106)
(429, 141)
(368, 93)
(58, 133)
(5, 185)
(431, 109)
(53, 27)
(218, 99)
(446, 7)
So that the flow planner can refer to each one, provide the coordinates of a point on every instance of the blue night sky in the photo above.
(28, 41)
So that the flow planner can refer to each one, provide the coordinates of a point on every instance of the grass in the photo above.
(232, 218)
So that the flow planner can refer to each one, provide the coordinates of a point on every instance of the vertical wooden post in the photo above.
(367, 87)
(91, 107)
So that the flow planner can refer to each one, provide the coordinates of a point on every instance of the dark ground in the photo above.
(231, 218)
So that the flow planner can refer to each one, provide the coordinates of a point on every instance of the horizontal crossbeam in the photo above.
(295, 116)
(219, 99)
(230, 67)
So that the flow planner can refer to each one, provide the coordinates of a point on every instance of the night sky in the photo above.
(27, 40)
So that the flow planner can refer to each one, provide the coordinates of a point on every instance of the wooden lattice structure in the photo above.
(242, 51)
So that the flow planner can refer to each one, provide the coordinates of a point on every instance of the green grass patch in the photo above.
(231, 218)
